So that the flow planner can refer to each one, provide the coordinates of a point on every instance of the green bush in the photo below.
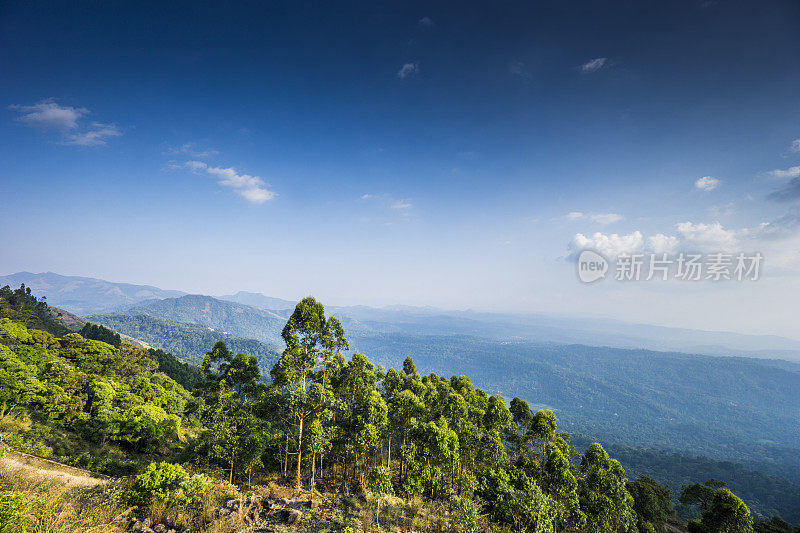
(465, 513)
(11, 508)
(191, 490)
(156, 482)
(380, 481)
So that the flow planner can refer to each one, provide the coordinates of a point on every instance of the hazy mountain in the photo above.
(563, 330)
(256, 299)
(724, 407)
(83, 296)
(190, 342)
(227, 317)
(88, 295)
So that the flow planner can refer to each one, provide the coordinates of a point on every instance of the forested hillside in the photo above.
(329, 423)
(736, 409)
(766, 494)
(228, 317)
(187, 341)
(86, 402)
(23, 307)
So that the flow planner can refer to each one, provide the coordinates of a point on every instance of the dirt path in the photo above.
(32, 467)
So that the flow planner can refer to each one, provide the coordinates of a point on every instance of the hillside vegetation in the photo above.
(228, 317)
(187, 341)
(737, 409)
(86, 402)
(326, 423)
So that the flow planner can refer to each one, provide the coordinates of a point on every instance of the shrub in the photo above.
(156, 482)
(465, 512)
(191, 490)
(380, 481)
(11, 508)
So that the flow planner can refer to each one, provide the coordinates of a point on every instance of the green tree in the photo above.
(723, 513)
(651, 501)
(603, 496)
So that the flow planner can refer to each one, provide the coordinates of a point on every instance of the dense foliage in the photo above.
(186, 341)
(181, 371)
(87, 402)
(97, 332)
(766, 494)
(230, 317)
(23, 307)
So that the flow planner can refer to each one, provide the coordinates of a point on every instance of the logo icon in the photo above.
(591, 266)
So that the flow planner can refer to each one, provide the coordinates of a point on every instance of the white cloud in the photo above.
(717, 211)
(706, 236)
(777, 240)
(599, 218)
(48, 114)
(192, 150)
(401, 205)
(366, 196)
(660, 243)
(251, 188)
(594, 65)
(426, 21)
(608, 245)
(789, 173)
(795, 147)
(707, 183)
(94, 137)
(605, 218)
(409, 69)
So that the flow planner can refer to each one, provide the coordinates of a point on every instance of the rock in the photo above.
(160, 528)
(146, 522)
(224, 511)
(294, 516)
(230, 502)
(290, 516)
(137, 526)
(255, 499)
(147, 530)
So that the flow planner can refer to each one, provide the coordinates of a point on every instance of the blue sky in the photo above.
(418, 153)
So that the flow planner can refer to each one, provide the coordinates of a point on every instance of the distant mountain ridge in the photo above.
(227, 317)
(256, 299)
(189, 342)
(83, 296)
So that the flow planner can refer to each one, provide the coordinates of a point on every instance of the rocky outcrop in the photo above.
(257, 508)
(254, 510)
(143, 526)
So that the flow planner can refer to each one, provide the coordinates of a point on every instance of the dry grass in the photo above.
(26, 467)
(55, 507)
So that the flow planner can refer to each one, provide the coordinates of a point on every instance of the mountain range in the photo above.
(257, 316)
(84, 296)
(623, 384)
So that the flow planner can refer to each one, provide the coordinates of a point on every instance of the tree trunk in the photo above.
(313, 472)
(233, 456)
(286, 457)
(298, 483)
